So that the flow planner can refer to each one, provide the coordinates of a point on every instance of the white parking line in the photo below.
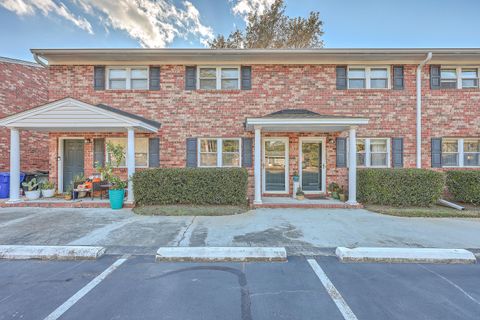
(342, 306)
(57, 313)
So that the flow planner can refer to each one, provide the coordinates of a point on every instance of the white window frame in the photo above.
(368, 76)
(460, 151)
(219, 152)
(128, 70)
(368, 152)
(126, 151)
(218, 76)
(459, 75)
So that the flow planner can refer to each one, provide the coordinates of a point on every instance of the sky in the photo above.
(26, 24)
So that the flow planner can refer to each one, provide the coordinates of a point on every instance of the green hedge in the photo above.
(464, 185)
(400, 187)
(202, 186)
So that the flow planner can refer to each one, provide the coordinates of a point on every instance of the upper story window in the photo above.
(127, 78)
(459, 77)
(217, 152)
(368, 77)
(461, 152)
(218, 78)
(373, 152)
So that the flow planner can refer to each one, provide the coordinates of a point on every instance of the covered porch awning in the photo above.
(70, 115)
(301, 120)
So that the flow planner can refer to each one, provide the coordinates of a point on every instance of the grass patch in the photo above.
(187, 210)
(435, 211)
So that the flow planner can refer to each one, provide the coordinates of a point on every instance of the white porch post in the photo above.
(130, 162)
(258, 166)
(352, 167)
(14, 165)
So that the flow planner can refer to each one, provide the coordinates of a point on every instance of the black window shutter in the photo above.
(190, 78)
(398, 82)
(341, 152)
(436, 152)
(341, 77)
(247, 152)
(397, 152)
(99, 77)
(191, 152)
(434, 77)
(98, 152)
(154, 152)
(246, 74)
(154, 78)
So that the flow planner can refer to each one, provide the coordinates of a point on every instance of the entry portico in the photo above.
(299, 121)
(72, 116)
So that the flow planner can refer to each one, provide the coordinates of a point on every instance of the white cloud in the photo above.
(46, 7)
(244, 7)
(153, 23)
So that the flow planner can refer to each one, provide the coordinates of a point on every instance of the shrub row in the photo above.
(464, 185)
(193, 186)
(400, 187)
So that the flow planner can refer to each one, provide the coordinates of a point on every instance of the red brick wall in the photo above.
(186, 114)
(23, 87)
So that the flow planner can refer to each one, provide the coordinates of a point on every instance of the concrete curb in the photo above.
(51, 252)
(405, 255)
(221, 254)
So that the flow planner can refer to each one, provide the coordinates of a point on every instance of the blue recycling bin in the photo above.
(5, 184)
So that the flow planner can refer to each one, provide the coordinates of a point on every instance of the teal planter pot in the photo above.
(116, 198)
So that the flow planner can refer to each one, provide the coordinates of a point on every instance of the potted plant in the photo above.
(78, 180)
(342, 195)
(300, 194)
(296, 177)
(48, 189)
(68, 195)
(334, 188)
(32, 192)
(116, 193)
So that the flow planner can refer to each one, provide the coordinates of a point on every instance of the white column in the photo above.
(352, 167)
(14, 165)
(258, 166)
(130, 162)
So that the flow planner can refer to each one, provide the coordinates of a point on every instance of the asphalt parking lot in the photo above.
(137, 287)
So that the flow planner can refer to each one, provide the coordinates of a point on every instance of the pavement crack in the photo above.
(187, 234)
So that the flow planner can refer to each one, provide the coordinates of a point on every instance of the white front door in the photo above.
(275, 165)
(312, 165)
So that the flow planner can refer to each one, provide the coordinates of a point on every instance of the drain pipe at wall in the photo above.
(419, 108)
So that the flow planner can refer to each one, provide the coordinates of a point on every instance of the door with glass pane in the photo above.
(275, 165)
(311, 166)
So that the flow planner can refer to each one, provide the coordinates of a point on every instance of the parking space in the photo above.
(141, 288)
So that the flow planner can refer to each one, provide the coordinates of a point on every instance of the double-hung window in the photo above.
(461, 152)
(459, 77)
(219, 152)
(218, 78)
(368, 77)
(126, 78)
(141, 151)
(373, 152)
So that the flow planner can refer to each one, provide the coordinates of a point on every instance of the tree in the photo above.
(273, 29)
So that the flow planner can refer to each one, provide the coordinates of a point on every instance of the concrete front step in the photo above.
(309, 205)
(405, 255)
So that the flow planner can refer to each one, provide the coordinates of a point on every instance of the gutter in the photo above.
(37, 59)
(419, 109)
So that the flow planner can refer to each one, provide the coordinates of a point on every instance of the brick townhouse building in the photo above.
(23, 85)
(318, 113)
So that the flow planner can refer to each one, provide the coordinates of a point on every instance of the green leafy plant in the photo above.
(117, 183)
(400, 187)
(117, 153)
(464, 185)
(333, 187)
(202, 186)
(300, 192)
(79, 178)
(105, 171)
(47, 185)
(31, 185)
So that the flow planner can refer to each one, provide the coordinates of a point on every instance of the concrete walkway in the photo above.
(301, 231)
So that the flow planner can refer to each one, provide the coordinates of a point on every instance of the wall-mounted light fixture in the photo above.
(331, 141)
(88, 140)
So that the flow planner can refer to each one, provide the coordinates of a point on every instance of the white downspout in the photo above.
(39, 61)
(419, 109)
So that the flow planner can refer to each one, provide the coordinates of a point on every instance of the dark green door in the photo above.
(312, 166)
(72, 161)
